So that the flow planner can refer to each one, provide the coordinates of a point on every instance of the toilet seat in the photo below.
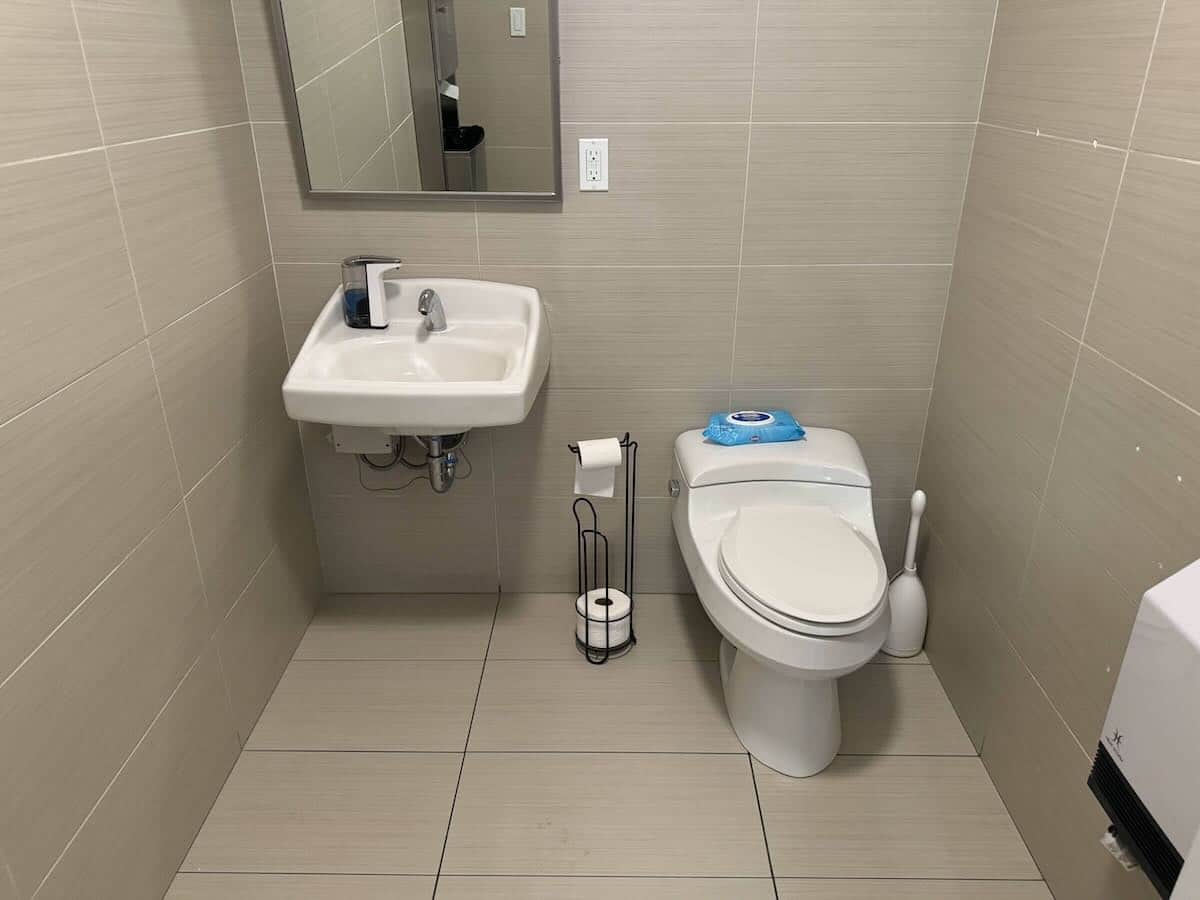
(805, 568)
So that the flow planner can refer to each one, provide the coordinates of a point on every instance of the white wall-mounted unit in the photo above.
(1147, 769)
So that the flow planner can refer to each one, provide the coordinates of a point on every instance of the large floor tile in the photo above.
(369, 705)
(400, 626)
(204, 886)
(331, 813)
(874, 889)
(485, 887)
(597, 814)
(891, 817)
(542, 626)
(899, 710)
(571, 705)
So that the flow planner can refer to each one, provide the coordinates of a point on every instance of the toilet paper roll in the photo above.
(590, 612)
(596, 468)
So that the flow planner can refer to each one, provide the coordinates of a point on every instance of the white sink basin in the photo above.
(484, 369)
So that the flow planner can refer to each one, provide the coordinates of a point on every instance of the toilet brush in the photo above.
(906, 595)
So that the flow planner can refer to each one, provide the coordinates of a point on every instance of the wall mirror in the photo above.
(451, 97)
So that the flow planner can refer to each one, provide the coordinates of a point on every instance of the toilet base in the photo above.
(791, 724)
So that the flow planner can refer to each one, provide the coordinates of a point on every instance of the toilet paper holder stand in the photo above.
(592, 542)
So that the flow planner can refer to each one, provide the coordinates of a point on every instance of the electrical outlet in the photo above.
(516, 21)
(593, 164)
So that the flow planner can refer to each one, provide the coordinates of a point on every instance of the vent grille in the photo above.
(1158, 857)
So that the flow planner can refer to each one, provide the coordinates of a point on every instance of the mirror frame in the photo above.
(291, 103)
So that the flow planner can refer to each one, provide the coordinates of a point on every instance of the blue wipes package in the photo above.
(752, 426)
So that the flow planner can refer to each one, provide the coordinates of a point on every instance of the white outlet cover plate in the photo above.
(593, 164)
(516, 21)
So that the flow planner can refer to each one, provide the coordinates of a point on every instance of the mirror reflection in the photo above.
(425, 95)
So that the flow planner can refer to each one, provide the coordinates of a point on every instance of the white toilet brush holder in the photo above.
(906, 595)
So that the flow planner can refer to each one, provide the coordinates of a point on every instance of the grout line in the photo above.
(1112, 217)
(526, 752)
(737, 294)
(349, 55)
(818, 123)
(213, 298)
(681, 266)
(162, 404)
(78, 606)
(763, 824)
(274, 274)
(496, 519)
(1094, 144)
(117, 144)
(962, 209)
(591, 877)
(113, 780)
(466, 743)
(387, 105)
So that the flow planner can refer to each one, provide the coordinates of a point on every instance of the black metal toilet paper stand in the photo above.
(592, 545)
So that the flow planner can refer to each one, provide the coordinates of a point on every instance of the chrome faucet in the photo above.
(429, 304)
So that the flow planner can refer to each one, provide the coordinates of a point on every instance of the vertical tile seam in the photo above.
(226, 681)
(737, 294)
(137, 292)
(762, 821)
(467, 743)
(1079, 341)
(387, 102)
(987, 63)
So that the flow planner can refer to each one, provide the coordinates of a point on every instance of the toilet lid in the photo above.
(805, 563)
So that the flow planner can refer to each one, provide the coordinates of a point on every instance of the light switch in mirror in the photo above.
(426, 96)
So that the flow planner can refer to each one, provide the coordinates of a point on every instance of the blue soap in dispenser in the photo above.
(363, 302)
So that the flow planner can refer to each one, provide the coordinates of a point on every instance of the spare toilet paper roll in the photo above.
(590, 610)
(596, 468)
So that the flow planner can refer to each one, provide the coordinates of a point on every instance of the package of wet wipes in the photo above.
(752, 426)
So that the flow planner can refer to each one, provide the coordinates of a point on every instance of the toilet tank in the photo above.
(824, 456)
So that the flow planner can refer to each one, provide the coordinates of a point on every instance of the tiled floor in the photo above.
(580, 781)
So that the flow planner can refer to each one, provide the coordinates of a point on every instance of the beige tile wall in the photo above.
(157, 558)
(350, 71)
(801, 258)
(1060, 453)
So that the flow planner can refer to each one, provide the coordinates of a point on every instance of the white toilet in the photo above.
(780, 542)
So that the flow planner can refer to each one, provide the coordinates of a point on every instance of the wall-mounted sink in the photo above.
(484, 369)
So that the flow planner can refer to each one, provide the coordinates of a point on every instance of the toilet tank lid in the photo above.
(824, 456)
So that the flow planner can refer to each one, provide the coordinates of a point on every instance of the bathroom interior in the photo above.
(731, 449)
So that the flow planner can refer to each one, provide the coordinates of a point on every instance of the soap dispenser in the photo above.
(362, 290)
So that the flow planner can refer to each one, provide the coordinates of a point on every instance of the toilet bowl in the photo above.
(780, 542)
